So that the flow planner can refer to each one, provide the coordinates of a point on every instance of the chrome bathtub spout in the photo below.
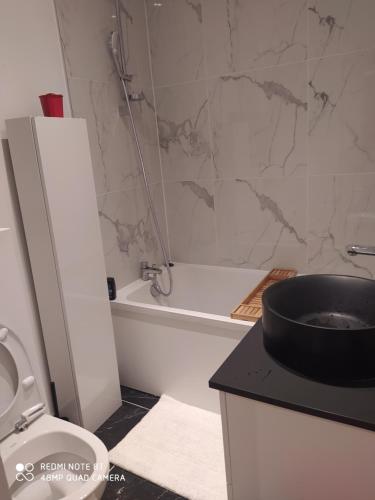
(360, 250)
(149, 272)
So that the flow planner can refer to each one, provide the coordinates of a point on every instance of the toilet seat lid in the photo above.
(18, 388)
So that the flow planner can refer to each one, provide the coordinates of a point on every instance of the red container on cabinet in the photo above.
(52, 105)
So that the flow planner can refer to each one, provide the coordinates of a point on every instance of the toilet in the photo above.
(44, 457)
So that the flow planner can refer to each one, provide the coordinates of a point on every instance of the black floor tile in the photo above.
(119, 424)
(138, 397)
(135, 488)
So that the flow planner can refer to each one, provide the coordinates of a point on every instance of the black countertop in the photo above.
(252, 373)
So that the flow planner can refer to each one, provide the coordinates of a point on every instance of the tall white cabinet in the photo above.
(53, 172)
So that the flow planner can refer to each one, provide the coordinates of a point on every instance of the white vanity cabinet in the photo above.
(273, 453)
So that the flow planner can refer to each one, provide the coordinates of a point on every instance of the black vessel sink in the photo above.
(323, 326)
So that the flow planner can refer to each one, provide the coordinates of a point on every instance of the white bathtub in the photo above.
(174, 345)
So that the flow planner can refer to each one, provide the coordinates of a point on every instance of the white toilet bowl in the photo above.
(45, 458)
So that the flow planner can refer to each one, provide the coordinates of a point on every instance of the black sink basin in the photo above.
(323, 326)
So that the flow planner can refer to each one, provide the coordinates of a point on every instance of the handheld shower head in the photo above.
(113, 45)
(114, 41)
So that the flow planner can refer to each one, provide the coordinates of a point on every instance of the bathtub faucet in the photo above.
(149, 272)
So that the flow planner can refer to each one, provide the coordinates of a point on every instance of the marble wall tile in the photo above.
(191, 221)
(134, 25)
(245, 124)
(97, 95)
(342, 113)
(158, 197)
(339, 26)
(121, 235)
(151, 245)
(341, 212)
(176, 40)
(99, 104)
(261, 223)
(128, 235)
(185, 148)
(259, 122)
(85, 30)
(245, 34)
(145, 120)
(115, 160)
(85, 27)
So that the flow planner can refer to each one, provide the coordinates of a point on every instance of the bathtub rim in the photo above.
(122, 304)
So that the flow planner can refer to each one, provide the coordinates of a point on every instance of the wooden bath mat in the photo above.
(250, 308)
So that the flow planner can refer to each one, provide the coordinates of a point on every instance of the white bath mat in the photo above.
(178, 447)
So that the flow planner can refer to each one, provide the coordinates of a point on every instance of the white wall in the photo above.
(30, 64)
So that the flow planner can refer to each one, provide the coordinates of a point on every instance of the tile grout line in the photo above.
(252, 69)
(210, 130)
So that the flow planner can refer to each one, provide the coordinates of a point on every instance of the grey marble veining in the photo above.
(261, 222)
(184, 137)
(200, 192)
(259, 122)
(241, 35)
(291, 99)
(98, 102)
(170, 132)
(96, 94)
(176, 40)
(340, 26)
(136, 44)
(191, 221)
(128, 234)
(127, 230)
(263, 121)
(85, 27)
(342, 212)
(327, 23)
(116, 164)
(271, 89)
(342, 104)
(197, 8)
(267, 203)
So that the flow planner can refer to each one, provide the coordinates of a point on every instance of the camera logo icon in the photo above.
(24, 472)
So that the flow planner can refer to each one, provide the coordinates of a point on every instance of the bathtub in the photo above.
(174, 345)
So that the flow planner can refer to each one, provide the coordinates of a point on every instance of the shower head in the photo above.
(114, 46)
(113, 43)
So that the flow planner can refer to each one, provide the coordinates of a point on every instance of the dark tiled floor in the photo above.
(135, 488)
(138, 398)
(135, 406)
(119, 424)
